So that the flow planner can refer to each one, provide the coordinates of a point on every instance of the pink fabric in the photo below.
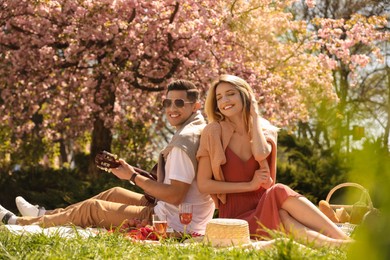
(213, 143)
(261, 206)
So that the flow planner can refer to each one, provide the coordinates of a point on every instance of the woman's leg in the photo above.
(306, 213)
(299, 230)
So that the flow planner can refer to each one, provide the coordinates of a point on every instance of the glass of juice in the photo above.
(160, 224)
(185, 214)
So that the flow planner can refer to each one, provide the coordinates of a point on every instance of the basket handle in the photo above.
(350, 184)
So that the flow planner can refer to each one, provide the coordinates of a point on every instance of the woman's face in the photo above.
(228, 100)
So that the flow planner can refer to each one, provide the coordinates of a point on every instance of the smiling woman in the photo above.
(237, 163)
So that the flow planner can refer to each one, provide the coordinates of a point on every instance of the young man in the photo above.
(176, 183)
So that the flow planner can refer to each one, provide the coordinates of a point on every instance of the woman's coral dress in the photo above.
(260, 207)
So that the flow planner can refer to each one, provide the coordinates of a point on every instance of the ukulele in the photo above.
(107, 161)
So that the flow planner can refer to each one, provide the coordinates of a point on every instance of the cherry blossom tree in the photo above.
(75, 66)
(350, 36)
(69, 68)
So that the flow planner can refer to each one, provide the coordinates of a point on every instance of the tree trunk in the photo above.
(342, 127)
(101, 135)
(387, 128)
(101, 140)
(63, 153)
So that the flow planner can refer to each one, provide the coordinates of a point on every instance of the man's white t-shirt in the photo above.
(179, 167)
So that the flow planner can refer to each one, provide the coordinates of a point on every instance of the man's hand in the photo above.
(124, 172)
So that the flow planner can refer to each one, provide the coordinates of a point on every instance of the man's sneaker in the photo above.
(27, 209)
(5, 215)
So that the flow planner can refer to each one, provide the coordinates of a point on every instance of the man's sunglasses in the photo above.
(179, 103)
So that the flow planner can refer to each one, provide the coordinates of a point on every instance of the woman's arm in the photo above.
(261, 149)
(259, 145)
(207, 185)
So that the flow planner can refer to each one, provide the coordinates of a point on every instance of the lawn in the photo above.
(116, 246)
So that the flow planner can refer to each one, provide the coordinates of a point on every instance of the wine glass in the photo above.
(185, 214)
(160, 224)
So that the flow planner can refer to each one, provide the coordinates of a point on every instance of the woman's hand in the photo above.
(262, 177)
(257, 180)
(267, 183)
(124, 172)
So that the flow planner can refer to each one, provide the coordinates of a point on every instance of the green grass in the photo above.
(115, 246)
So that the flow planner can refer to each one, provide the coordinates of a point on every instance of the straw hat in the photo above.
(227, 232)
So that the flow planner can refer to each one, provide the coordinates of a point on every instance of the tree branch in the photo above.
(173, 15)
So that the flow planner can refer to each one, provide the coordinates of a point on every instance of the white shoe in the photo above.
(5, 215)
(27, 209)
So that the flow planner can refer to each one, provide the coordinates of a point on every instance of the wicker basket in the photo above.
(356, 211)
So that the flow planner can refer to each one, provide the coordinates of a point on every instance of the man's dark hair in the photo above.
(188, 86)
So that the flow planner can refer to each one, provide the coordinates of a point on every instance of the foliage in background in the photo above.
(360, 71)
(309, 169)
(371, 167)
(139, 145)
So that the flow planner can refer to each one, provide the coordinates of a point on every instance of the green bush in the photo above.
(308, 169)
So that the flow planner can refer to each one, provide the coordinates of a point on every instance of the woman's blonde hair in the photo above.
(211, 108)
(246, 93)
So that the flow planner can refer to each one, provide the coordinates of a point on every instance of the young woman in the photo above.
(237, 165)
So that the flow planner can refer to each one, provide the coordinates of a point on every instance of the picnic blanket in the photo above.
(62, 231)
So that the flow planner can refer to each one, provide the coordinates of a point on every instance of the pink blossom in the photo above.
(311, 3)
(94, 57)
